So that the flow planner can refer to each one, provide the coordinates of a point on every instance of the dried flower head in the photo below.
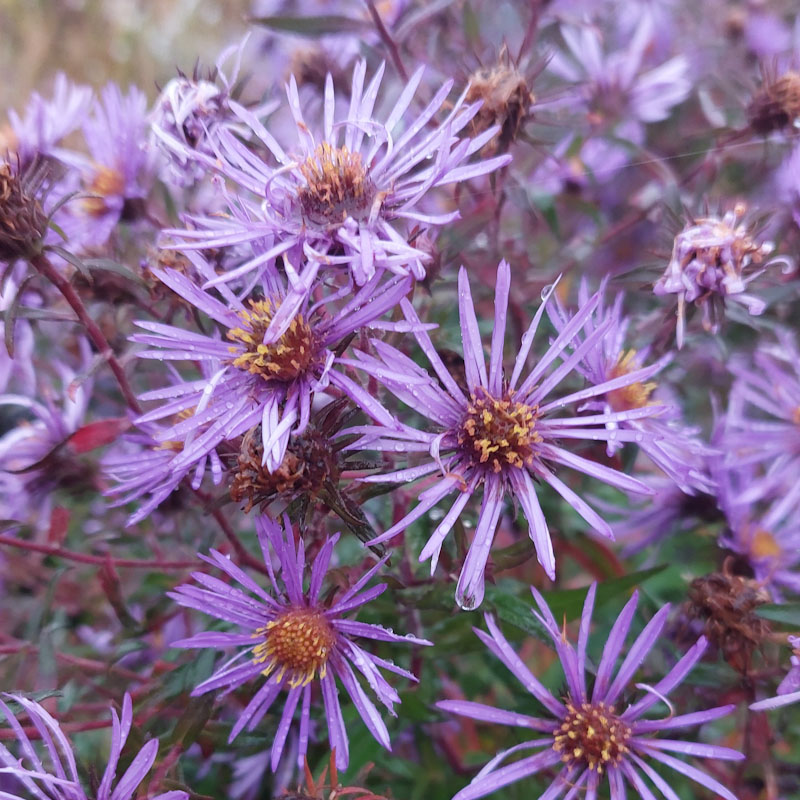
(776, 105)
(506, 101)
(727, 603)
(23, 222)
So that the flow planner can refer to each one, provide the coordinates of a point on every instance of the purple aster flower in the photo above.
(584, 732)
(617, 86)
(44, 123)
(761, 430)
(340, 197)
(789, 688)
(116, 174)
(502, 433)
(257, 380)
(713, 259)
(295, 640)
(60, 781)
(671, 446)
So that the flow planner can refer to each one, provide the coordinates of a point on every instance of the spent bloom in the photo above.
(60, 781)
(673, 447)
(255, 380)
(340, 196)
(295, 640)
(587, 731)
(500, 432)
(713, 260)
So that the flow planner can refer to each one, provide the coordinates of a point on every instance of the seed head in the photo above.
(776, 105)
(22, 220)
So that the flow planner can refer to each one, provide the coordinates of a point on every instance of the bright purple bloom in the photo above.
(295, 640)
(789, 688)
(342, 196)
(502, 433)
(670, 446)
(255, 381)
(713, 259)
(583, 731)
(61, 781)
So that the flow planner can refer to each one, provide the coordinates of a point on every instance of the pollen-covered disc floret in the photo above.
(336, 187)
(634, 395)
(292, 355)
(499, 432)
(592, 735)
(297, 645)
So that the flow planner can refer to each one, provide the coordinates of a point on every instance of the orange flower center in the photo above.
(499, 432)
(634, 395)
(293, 354)
(763, 545)
(592, 736)
(106, 182)
(298, 643)
(337, 185)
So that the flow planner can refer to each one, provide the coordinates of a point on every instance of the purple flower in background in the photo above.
(671, 446)
(336, 197)
(789, 688)
(713, 259)
(500, 432)
(116, 175)
(44, 123)
(295, 640)
(61, 781)
(761, 428)
(258, 380)
(583, 731)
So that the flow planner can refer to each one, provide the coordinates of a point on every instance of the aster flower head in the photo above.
(343, 193)
(257, 380)
(503, 433)
(713, 260)
(673, 447)
(55, 777)
(587, 731)
(296, 640)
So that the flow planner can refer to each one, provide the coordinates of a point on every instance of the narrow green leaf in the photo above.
(786, 614)
(314, 26)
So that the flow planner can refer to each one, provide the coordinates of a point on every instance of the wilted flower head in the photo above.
(343, 195)
(776, 105)
(23, 222)
(294, 639)
(585, 732)
(713, 259)
(501, 433)
(58, 779)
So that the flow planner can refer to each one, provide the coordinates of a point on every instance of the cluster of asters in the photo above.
(268, 281)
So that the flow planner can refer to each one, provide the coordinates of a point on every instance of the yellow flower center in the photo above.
(634, 395)
(298, 644)
(106, 182)
(293, 354)
(337, 185)
(592, 736)
(763, 545)
(499, 433)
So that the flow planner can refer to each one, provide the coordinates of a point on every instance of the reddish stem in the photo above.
(44, 266)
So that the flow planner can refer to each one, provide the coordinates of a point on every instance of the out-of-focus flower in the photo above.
(61, 780)
(294, 639)
(713, 260)
(340, 197)
(256, 380)
(583, 731)
(501, 433)
(673, 447)
(116, 175)
(789, 688)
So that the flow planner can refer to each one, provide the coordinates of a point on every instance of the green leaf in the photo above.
(472, 27)
(314, 27)
(787, 614)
